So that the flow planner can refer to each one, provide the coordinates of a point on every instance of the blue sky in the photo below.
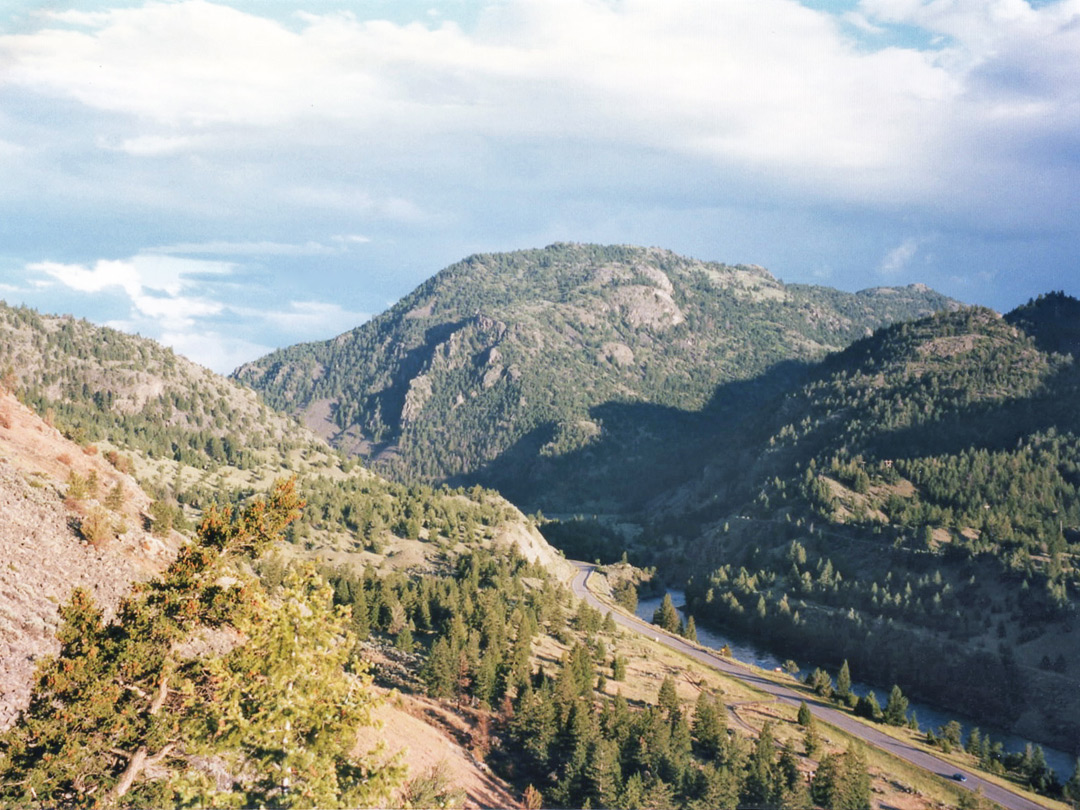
(228, 177)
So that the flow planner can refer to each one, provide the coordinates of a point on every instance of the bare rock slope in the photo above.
(43, 555)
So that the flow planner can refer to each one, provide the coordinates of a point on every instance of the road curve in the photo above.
(996, 793)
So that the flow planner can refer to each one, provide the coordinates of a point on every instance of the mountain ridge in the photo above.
(501, 349)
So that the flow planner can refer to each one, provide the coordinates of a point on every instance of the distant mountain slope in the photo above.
(913, 507)
(96, 383)
(503, 363)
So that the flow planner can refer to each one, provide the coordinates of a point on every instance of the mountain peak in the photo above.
(516, 355)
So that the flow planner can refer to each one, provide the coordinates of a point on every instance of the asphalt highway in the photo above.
(1004, 797)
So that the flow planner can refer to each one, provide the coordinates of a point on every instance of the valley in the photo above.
(772, 686)
(887, 479)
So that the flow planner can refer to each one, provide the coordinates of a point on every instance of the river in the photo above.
(929, 717)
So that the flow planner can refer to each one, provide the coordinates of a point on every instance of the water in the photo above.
(930, 717)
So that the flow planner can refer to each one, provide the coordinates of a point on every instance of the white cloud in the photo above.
(351, 239)
(768, 81)
(154, 145)
(170, 301)
(102, 276)
(767, 89)
(314, 317)
(338, 243)
(159, 288)
(898, 258)
(217, 351)
(266, 248)
(607, 120)
(859, 21)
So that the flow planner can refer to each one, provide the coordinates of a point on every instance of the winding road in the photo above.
(871, 736)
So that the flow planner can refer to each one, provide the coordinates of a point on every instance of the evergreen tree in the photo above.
(792, 788)
(667, 698)
(895, 713)
(618, 668)
(805, 718)
(709, 728)
(119, 698)
(603, 774)
(842, 782)
(608, 626)
(868, 707)
(440, 670)
(404, 640)
(820, 682)
(690, 631)
(666, 616)
(1071, 789)
(283, 707)
(811, 742)
(361, 622)
(974, 742)
(843, 682)
(760, 786)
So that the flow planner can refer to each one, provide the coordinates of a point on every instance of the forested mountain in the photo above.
(502, 366)
(912, 507)
(249, 664)
(860, 511)
(99, 384)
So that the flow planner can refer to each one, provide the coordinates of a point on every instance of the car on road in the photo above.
(959, 777)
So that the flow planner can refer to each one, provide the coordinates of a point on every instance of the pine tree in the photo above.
(114, 500)
(974, 742)
(618, 668)
(792, 788)
(667, 698)
(440, 670)
(119, 698)
(820, 682)
(690, 631)
(805, 718)
(761, 787)
(361, 621)
(709, 728)
(603, 775)
(868, 707)
(842, 782)
(1071, 789)
(404, 640)
(843, 682)
(608, 626)
(895, 713)
(811, 742)
(666, 616)
(284, 707)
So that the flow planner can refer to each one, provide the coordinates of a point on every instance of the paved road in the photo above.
(1004, 797)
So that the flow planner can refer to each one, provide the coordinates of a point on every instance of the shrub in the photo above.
(121, 463)
(116, 497)
(77, 489)
(96, 527)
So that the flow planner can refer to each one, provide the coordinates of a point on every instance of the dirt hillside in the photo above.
(43, 554)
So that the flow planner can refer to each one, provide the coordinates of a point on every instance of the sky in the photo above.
(233, 176)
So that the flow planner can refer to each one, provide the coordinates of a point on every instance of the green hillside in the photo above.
(501, 366)
(912, 507)
(98, 384)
